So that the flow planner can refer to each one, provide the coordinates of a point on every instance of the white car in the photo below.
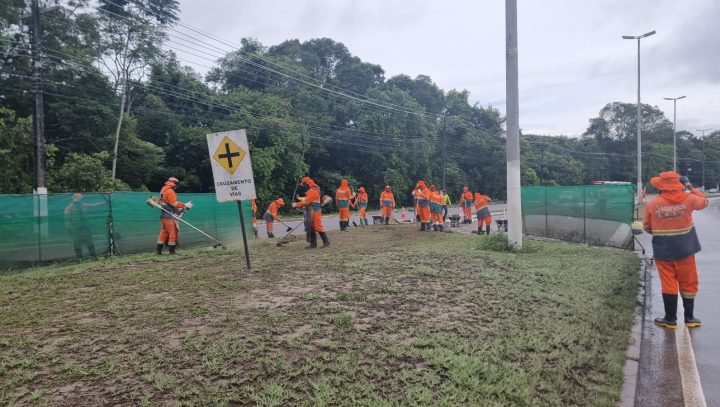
(712, 190)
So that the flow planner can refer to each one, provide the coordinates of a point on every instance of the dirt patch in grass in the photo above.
(386, 316)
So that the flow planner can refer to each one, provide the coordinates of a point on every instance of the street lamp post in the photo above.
(703, 159)
(639, 114)
(675, 129)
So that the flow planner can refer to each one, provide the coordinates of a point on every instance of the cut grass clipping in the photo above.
(387, 316)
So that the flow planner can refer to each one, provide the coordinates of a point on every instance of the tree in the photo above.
(84, 173)
(131, 34)
(16, 153)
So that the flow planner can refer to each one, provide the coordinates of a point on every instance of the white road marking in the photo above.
(692, 389)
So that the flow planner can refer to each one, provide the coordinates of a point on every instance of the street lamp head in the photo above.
(629, 37)
(677, 98)
(648, 34)
(682, 97)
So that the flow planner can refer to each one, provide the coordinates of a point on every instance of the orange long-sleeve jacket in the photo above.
(481, 201)
(668, 217)
(387, 200)
(272, 210)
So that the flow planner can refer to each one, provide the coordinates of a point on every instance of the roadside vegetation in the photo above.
(388, 316)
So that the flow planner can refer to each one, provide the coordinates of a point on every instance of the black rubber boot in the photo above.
(487, 229)
(313, 240)
(480, 231)
(325, 239)
(427, 227)
(271, 235)
(441, 227)
(159, 248)
(172, 250)
(690, 320)
(434, 227)
(670, 318)
(387, 220)
(255, 233)
(422, 226)
(366, 221)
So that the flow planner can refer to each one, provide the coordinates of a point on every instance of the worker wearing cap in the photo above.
(169, 228)
(436, 210)
(361, 202)
(271, 215)
(342, 199)
(483, 212)
(445, 202)
(466, 203)
(423, 196)
(313, 207)
(387, 204)
(668, 217)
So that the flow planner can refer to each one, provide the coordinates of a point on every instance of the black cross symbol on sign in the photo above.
(228, 155)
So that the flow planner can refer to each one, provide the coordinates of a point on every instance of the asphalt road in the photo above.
(666, 370)
(331, 222)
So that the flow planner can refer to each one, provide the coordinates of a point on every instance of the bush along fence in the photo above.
(594, 214)
(37, 229)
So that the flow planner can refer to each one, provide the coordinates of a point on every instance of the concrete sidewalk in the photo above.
(681, 367)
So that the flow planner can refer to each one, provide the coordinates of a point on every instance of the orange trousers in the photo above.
(269, 225)
(467, 212)
(316, 222)
(344, 213)
(487, 220)
(363, 213)
(437, 218)
(168, 232)
(424, 213)
(386, 211)
(678, 275)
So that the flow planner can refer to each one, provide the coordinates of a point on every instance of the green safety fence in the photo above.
(36, 229)
(593, 214)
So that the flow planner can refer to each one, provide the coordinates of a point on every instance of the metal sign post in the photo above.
(232, 172)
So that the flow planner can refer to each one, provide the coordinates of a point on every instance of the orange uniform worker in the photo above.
(361, 202)
(271, 215)
(387, 204)
(342, 199)
(436, 209)
(169, 230)
(668, 217)
(423, 196)
(254, 211)
(466, 202)
(313, 208)
(483, 212)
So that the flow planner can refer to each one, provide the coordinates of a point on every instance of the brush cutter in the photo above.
(152, 202)
(289, 237)
(286, 225)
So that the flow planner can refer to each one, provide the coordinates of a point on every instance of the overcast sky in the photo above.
(572, 58)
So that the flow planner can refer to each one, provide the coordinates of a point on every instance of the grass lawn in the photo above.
(387, 316)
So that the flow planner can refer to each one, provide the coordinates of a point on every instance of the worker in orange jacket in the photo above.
(271, 215)
(254, 212)
(313, 207)
(423, 196)
(361, 202)
(668, 217)
(436, 209)
(483, 212)
(169, 228)
(466, 203)
(343, 195)
(387, 204)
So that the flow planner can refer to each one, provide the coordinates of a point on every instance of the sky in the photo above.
(572, 59)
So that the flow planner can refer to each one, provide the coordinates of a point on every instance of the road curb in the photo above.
(631, 369)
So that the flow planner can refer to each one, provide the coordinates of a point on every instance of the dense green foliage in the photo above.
(309, 107)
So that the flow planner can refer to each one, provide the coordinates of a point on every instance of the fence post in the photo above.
(546, 214)
(584, 216)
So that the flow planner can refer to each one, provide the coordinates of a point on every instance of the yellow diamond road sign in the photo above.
(229, 155)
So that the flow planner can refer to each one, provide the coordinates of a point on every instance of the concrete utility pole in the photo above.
(512, 111)
(703, 160)
(675, 129)
(39, 111)
(639, 115)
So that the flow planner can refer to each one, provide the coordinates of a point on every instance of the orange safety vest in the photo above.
(668, 217)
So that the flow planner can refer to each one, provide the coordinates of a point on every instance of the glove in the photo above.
(189, 205)
(684, 180)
